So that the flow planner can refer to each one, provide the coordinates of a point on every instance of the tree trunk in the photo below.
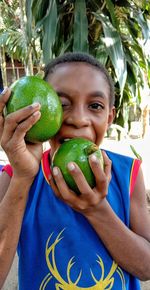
(145, 120)
(28, 61)
(3, 66)
(13, 70)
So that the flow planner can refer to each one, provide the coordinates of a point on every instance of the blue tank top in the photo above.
(63, 251)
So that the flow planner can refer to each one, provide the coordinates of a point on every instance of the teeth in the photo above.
(64, 140)
(67, 139)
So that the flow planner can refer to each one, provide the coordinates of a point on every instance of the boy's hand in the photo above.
(89, 199)
(24, 158)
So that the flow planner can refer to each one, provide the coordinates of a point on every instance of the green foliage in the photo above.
(114, 48)
(115, 32)
(17, 35)
(137, 155)
(80, 28)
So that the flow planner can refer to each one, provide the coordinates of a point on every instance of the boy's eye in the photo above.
(64, 102)
(65, 105)
(96, 106)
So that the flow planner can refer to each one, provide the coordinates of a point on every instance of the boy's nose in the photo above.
(78, 119)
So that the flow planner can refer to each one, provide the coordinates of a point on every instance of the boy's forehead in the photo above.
(75, 65)
(78, 70)
(79, 78)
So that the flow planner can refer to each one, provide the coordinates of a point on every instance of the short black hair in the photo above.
(81, 57)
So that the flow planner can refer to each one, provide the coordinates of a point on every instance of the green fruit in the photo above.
(78, 151)
(32, 89)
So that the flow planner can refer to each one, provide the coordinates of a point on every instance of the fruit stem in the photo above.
(91, 149)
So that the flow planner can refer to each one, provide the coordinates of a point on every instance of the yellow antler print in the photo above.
(101, 284)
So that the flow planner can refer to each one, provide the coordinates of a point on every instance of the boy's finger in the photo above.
(107, 165)
(17, 134)
(25, 126)
(14, 119)
(22, 114)
(4, 97)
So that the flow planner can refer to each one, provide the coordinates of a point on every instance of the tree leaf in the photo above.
(49, 31)
(137, 155)
(39, 9)
(28, 6)
(143, 23)
(110, 7)
(80, 27)
(114, 47)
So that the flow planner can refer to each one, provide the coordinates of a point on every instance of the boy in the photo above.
(97, 240)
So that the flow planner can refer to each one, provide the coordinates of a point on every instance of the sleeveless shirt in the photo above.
(59, 249)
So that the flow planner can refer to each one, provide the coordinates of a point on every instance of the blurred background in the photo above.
(116, 32)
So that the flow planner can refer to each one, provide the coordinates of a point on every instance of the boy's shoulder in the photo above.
(125, 168)
(122, 161)
(117, 155)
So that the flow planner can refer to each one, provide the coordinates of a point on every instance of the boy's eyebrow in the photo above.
(60, 93)
(92, 94)
(98, 94)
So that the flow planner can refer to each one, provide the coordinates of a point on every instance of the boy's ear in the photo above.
(112, 114)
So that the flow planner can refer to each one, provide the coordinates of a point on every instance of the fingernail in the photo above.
(37, 114)
(36, 105)
(71, 166)
(4, 91)
(93, 158)
(55, 171)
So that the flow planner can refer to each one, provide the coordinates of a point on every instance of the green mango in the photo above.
(32, 89)
(76, 150)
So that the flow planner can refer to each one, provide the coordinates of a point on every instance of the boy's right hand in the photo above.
(24, 158)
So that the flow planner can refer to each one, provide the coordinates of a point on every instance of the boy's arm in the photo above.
(24, 159)
(13, 196)
(4, 182)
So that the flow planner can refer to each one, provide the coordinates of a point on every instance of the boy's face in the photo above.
(84, 94)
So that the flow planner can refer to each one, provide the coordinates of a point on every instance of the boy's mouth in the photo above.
(64, 139)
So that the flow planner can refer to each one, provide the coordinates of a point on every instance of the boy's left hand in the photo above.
(90, 198)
